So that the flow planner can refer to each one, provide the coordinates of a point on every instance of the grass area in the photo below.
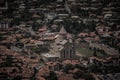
(87, 52)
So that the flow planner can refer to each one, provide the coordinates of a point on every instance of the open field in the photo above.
(87, 52)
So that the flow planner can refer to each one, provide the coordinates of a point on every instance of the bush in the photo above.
(68, 67)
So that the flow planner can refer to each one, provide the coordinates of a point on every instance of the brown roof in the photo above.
(54, 26)
(35, 16)
(74, 70)
(66, 77)
(73, 62)
(43, 72)
(82, 34)
(40, 78)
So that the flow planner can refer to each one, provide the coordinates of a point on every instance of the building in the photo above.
(62, 48)
(4, 25)
(3, 5)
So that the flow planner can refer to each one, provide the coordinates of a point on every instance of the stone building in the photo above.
(62, 48)
(66, 40)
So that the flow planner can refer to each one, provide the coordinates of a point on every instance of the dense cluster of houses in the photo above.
(16, 66)
(34, 43)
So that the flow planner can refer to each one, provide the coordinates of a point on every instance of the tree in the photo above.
(87, 76)
(94, 52)
(52, 76)
(36, 50)
(1, 37)
(68, 67)
(77, 74)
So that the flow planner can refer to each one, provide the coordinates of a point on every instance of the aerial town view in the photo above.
(59, 39)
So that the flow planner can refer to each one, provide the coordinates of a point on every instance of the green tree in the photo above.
(94, 52)
(87, 76)
(36, 50)
(1, 37)
(77, 74)
(68, 67)
(52, 76)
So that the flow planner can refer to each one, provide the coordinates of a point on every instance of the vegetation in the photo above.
(88, 52)
(1, 37)
(97, 68)
(36, 50)
(68, 67)
(87, 76)
(40, 50)
(52, 76)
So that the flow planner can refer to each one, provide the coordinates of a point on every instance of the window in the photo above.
(71, 52)
(64, 54)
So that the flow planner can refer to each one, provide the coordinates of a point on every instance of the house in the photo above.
(59, 0)
(3, 5)
(51, 16)
(54, 26)
(4, 25)
(61, 16)
(35, 16)
(82, 34)
(54, 66)
(66, 77)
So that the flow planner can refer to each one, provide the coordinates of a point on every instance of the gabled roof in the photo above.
(63, 31)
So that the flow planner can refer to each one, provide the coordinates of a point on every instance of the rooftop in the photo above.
(49, 55)
(63, 31)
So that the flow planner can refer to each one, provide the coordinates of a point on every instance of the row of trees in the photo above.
(75, 27)
(81, 73)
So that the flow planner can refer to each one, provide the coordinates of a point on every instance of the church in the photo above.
(62, 48)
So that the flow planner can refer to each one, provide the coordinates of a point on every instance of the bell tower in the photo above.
(68, 51)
